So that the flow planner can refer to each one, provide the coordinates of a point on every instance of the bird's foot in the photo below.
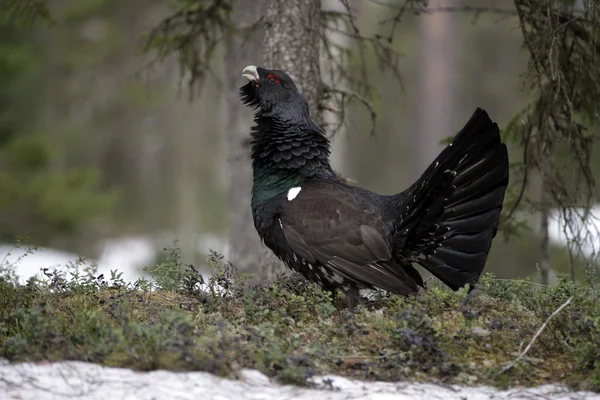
(353, 297)
(473, 292)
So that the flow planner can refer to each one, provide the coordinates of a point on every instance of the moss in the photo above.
(291, 330)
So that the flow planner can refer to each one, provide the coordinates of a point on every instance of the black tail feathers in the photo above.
(451, 214)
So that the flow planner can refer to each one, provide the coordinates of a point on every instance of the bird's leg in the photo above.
(473, 292)
(353, 296)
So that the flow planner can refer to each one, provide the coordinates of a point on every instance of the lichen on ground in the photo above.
(292, 330)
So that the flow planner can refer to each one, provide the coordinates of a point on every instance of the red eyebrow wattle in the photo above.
(274, 77)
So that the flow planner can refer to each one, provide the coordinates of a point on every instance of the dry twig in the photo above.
(521, 355)
(347, 95)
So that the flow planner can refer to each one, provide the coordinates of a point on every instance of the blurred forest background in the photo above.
(101, 145)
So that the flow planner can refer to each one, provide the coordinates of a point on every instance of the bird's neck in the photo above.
(285, 154)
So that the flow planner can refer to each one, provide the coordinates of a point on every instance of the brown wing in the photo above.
(338, 228)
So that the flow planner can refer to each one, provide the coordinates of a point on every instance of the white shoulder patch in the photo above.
(293, 192)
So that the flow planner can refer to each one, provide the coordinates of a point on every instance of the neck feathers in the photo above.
(285, 154)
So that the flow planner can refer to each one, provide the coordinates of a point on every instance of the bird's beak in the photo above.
(250, 73)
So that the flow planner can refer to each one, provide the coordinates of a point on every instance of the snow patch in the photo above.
(126, 254)
(85, 381)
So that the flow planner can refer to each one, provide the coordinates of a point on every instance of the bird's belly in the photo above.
(322, 275)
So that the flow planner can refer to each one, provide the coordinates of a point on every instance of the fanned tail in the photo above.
(450, 215)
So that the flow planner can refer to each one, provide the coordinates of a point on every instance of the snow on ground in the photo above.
(69, 380)
(26, 264)
(127, 254)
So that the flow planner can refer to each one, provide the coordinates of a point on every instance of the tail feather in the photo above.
(488, 179)
(450, 215)
(478, 205)
(454, 257)
(471, 242)
(472, 224)
(473, 171)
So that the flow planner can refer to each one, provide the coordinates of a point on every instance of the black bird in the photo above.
(346, 237)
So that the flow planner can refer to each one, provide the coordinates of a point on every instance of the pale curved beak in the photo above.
(250, 73)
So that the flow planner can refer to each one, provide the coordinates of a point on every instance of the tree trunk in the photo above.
(437, 66)
(545, 237)
(292, 45)
(289, 42)
(545, 204)
(339, 160)
(246, 250)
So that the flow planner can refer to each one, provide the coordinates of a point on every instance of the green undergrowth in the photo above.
(292, 330)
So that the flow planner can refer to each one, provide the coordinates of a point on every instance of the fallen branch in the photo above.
(520, 357)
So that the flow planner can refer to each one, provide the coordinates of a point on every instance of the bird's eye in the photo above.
(273, 79)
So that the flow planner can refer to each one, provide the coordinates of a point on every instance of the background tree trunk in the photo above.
(339, 142)
(435, 92)
(291, 44)
(246, 250)
(544, 234)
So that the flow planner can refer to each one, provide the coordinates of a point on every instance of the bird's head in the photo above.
(272, 93)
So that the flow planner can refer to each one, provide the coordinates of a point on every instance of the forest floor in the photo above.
(511, 333)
